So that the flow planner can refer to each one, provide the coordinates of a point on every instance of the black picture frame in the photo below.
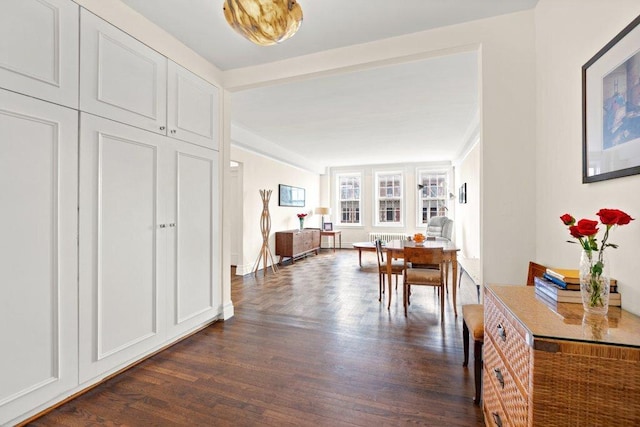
(327, 226)
(611, 108)
(291, 196)
(462, 193)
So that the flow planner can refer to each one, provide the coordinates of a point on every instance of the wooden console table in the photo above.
(333, 234)
(550, 365)
(297, 243)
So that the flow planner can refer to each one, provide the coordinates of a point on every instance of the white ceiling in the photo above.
(423, 110)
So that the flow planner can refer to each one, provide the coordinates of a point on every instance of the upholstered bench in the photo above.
(473, 324)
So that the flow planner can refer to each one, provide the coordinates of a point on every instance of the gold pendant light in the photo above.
(264, 22)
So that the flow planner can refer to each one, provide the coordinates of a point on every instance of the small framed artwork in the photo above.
(327, 226)
(462, 193)
(611, 108)
(291, 196)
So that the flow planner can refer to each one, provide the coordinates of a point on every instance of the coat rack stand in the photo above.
(265, 228)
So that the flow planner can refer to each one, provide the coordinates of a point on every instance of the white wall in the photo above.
(568, 34)
(468, 214)
(261, 173)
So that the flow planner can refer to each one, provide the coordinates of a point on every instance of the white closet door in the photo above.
(39, 49)
(193, 106)
(38, 254)
(121, 253)
(121, 78)
(196, 296)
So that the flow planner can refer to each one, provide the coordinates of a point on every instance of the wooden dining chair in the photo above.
(396, 269)
(423, 276)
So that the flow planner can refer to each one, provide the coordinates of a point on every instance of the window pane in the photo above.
(389, 211)
(350, 212)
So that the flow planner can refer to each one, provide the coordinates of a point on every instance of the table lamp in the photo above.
(323, 211)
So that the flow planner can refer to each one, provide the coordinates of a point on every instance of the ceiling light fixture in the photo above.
(264, 22)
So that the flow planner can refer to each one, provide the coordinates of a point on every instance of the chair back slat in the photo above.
(423, 256)
(379, 253)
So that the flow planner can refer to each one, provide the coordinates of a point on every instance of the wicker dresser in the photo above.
(548, 365)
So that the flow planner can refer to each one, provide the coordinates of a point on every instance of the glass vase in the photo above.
(594, 282)
(301, 223)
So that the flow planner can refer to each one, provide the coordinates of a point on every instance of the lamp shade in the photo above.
(323, 211)
(264, 22)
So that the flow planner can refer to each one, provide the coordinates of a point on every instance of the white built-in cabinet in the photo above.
(146, 241)
(122, 250)
(108, 198)
(125, 80)
(193, 238)
(193, 107)
(39, 49)
(120, 77)
(38, 254)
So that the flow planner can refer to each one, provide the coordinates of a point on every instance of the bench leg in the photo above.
(477, 370)
(465, 343)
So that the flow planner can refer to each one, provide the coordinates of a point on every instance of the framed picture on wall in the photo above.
(291, 196)
(462, 193)
(611, 108)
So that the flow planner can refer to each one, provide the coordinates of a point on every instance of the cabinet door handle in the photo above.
(162, 128)
(499, 376)
(163, 225)
(501, 332)
(173, 131)
(173, 224)
(496, 419)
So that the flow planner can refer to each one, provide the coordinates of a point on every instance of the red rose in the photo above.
(623, 218)
(574, 232)
(587, 227)
(613, 217)
(568, 219)
(608, 216)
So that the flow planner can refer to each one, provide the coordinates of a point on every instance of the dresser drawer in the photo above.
(498, 374)
(509, 338)
(494, 414)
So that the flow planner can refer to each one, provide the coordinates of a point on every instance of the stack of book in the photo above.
(561, 285)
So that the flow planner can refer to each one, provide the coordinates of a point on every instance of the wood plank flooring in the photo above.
(310, 346)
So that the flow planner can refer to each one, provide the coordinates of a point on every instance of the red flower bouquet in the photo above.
(593, 284)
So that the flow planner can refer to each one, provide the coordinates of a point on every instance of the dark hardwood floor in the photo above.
(309, 346)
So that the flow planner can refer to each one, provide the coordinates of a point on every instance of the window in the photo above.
(349, 200)
(432, 197)
(389, 198)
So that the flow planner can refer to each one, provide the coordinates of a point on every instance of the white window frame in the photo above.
(378, 199)
(339, 200)
(443, 197)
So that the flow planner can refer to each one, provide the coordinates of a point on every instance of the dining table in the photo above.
(395, 250)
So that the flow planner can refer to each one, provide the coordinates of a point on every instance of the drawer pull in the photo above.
(496, 419)
(501, 332)
(499, 376)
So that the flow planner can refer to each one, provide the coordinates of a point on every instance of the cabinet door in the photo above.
(121, 78)
(195, 296)
(193, 107)
(39, 49)
(298, 243)
(38, 254)
(121, 263)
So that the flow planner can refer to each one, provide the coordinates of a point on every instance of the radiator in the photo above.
(385, 237)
